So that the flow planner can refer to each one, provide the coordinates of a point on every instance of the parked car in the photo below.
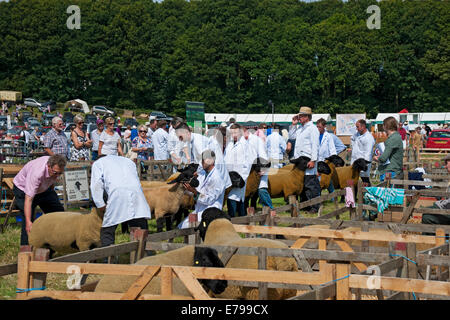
(131, 122)
(44, 106)
(26, 115)
(47, 119)
(103, 110)
(439, 139)
(68, 117)
(31, 102)
(90, 118)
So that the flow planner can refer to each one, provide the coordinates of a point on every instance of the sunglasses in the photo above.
(55, 172)
(142, 131)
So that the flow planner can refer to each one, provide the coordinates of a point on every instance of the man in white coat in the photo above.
(326, 145)
(238, 158)
(211, 189)
(160, 139)
(362, 143)
(117, 177)
(276, 146)
(307, 144)
(196, 144)
(178, 150)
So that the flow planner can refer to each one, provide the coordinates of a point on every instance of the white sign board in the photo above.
(345, 123)
(77, 185)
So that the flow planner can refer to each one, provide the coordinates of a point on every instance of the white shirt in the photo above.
(219, 164)
(238, 157)
(259, 148)
(197, 145)
(117, 176)
(109, 143)
(326, 146)
(362, 147)
(307, 144)
(95, 136)
(175, 147)
(276, 146)
(160, 140)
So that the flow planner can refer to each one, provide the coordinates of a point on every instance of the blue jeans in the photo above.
(264, 198)
(94, 155)
(235, 207)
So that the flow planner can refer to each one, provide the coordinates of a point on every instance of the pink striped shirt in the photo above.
(34, 177)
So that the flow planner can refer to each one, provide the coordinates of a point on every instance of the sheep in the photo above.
(217, 229)
(334, 161)
(67, 231)
(288, 182)
(349, 173)
(186, 256)
(167, 200)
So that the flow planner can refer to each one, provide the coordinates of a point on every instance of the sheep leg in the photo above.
(168, 219)
(159, 224)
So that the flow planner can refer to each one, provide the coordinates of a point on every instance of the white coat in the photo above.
(160, 139)
(276, 146)
(219, 165)
(211, 192)
(307, 144)
(175, 147)
(117, 176)
(238, 157)
(259, 148)
(362, 147)
(326, 147)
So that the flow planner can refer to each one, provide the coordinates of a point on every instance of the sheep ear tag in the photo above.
(196, 262)
(204, 224)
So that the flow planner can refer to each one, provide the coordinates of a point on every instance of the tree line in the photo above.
(234, 55)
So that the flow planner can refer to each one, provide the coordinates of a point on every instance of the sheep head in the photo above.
(301, 163)
(360, 165)
(323, 168)
(336, 160)
(259, 164)
(208, 216)
(208, 257)
(187, 175)
(236, 180)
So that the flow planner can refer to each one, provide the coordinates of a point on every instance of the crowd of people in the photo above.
(225, 156)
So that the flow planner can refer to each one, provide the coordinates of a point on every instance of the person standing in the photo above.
(402, 133)
(338, 144)
(160, 140)
(276, 146)
(55, 141)
(393, 151)
(34, 186)
(95, 136)
(307, 145)
(117, 178)
(238, 159)
(211, 189)
(362, 143)
(326, 142)
(109, 142)
(178, 150)
(417, 143)
(292, 134)
(81, 143)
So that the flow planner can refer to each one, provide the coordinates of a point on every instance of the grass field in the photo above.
(10, 240)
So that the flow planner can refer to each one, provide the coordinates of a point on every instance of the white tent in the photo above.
(217, 118)
(84, 104)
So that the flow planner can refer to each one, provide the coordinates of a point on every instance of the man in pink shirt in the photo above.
(33, 186)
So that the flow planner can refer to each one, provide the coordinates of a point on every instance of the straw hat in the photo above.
(305, 110)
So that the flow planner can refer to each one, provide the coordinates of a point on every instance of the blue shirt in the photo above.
(134, 134)
(340, 146)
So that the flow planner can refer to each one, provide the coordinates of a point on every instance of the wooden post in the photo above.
(360, 201)
(193, 238)
(166, 274)
(140, 235)
(343, 291)
(294, 208)
(38, 279)
(23, 274)
(269, 220)
(412, 267)
(251, 213)
(262, 265)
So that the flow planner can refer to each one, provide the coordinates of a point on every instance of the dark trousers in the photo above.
(48, 201)
(235, 207)
(108, 234)
(311, 190)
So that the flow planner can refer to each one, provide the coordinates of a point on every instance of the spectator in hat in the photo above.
(308, 134)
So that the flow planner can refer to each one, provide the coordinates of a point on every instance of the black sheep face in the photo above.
(323, 168)
(208, 216)
(260, 163)
(208, 257)
(236, 180)
(360, 164)
(336, 160)
(187, 175)
(301, 162)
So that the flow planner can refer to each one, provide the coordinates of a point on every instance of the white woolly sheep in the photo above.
(186, 256)
(216, 229)
(67, 231)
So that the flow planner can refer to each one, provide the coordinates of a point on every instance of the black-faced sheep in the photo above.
(217, 229)
(334, 162)
(167, 200)
(186, 256)
(350, 173)
(288, 182)
(67, 231)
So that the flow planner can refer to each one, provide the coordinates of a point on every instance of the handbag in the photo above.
(131, 155)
